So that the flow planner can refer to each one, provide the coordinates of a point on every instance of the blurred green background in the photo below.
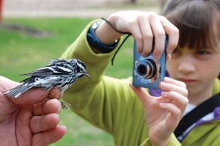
(29, 43)
(21, 53)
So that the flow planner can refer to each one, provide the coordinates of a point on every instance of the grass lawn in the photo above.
(22, 53)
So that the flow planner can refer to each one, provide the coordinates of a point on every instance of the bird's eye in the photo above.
(81, 70)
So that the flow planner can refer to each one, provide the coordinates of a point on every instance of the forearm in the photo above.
(105, 33)
(81, 49)
(103, 36)
(96, 65)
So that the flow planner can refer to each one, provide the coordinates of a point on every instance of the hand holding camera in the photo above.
(149, 72)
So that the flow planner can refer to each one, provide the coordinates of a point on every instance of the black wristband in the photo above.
(96, 43)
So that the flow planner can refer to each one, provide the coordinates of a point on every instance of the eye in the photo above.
(175, 51)
(202, 52)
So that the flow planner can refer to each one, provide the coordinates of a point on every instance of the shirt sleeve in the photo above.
(106, 102)
(173, 142)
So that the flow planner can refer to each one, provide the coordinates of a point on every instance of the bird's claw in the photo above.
(65, 105)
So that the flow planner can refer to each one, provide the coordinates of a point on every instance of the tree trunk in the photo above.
(133, 1)
(1, 7)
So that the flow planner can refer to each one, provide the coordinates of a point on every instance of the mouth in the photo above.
(187, 80)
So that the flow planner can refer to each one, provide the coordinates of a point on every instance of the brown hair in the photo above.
(196, 21)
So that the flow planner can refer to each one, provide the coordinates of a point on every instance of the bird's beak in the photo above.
(88, 75)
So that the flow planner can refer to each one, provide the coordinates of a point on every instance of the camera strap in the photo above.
(197, 113)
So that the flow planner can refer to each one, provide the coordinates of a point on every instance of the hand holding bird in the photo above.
(58, 73)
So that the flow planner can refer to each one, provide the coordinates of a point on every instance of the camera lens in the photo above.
(142, 70)
(153, 68)
(148, 69)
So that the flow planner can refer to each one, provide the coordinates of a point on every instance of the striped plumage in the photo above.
(59, 73)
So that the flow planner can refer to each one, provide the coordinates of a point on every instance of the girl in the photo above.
(196, 60)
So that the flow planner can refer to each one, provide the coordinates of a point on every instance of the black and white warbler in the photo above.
(59, 73)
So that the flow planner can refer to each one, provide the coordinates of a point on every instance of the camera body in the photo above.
(147, 72)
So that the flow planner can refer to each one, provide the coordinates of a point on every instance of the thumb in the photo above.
(6, 84)
(143, 95)
(36, 95)
(32, 96)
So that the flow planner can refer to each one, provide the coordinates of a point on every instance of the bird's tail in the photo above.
(17, 91)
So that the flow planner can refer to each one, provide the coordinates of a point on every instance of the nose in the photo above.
(186, 64)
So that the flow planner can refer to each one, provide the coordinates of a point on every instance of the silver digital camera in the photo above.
(147, 72)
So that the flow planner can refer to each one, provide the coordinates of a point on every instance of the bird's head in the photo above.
(81, 69)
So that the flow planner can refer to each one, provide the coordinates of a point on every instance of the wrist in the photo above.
(109, 35)
(96, 42)
(160, 142)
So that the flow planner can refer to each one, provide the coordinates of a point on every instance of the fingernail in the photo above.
(162, 104)
(59, 107)
(156, 57)
(166, 79)
(163, 93)
(162, 85)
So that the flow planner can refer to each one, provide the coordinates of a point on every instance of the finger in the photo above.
(173, 33)
(46, 107)
(55, 93)
(171, 87)
(8, 84)
(143, 95)
(32, 96)
(44, 122)
(168, 57)
(147, 36)
(177, 99)
(159, 35)
(175, 91)
(60, 96)
(136, 32)
(174, 82)
(36, 95)
(174, 116)
(48, 137)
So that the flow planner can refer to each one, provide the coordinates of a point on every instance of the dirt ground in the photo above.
(65, 8)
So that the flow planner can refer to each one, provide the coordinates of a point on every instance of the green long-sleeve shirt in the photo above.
(111, 105)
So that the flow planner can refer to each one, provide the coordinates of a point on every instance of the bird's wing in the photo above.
(17, 91)
(56, 62)
(59, 62)
(49, 70)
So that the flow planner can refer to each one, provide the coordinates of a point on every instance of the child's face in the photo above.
(197, 68)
